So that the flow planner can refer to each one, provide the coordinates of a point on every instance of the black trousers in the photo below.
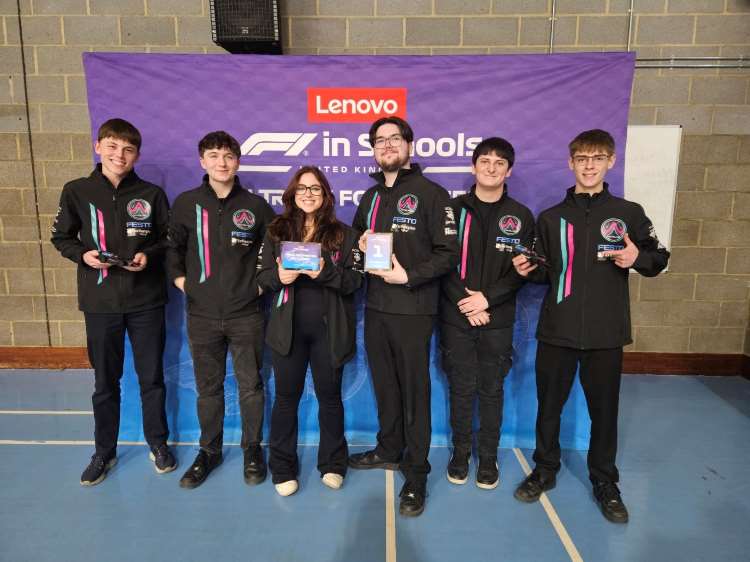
(476, 361)
(309, 346)
(398, 350)
(210, 339)
(600, 373)
(105, 339)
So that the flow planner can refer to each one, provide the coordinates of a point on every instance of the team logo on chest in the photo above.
(407, 205)
(139, 209)
(613, 230)
(243, 219)
(510, 224)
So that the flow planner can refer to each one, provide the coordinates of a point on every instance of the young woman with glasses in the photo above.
(313, 322)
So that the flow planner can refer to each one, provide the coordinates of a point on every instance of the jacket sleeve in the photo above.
(540, 245)
(451, 285)
(66, 228)
(268, 216)
(158, 248)
(346, 276)
(177, 240)
(268, 276)
(360, 223)
(444, 253)
(509, 284)
(652, 256)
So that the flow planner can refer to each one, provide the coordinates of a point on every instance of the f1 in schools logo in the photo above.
(354, 105)
(613, 230)
(139, 209)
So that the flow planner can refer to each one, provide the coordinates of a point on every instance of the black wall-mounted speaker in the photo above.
(246, 26)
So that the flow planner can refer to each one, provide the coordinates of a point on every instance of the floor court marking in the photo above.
(390, 518)
(48, 412)
(562, 533)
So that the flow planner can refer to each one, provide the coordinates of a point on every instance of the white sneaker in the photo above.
(287, 488)
(333, 480)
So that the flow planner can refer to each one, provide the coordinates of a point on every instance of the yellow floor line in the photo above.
(390, 518)
(562, 533)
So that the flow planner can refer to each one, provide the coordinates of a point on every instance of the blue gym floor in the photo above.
(683, 459)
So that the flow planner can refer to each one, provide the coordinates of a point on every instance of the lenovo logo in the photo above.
(354, 105)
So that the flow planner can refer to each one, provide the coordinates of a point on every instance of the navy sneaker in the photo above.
(97, 469)
(163, 459)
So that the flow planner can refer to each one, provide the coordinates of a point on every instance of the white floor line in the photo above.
(390, 518)
(562, 533)
(48, 412)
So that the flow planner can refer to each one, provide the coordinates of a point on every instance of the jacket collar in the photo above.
(415, 170)
(586, 201)
(208, 190)
(129, 180)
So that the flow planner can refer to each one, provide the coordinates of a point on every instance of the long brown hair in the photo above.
(289, 225)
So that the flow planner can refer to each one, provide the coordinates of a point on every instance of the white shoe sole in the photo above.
(107, 467)
(160, 471)
(492, 486)
(287, 488)
(333, 480)
(456, 480)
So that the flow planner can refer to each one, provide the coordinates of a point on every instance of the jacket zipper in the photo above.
(586, 258)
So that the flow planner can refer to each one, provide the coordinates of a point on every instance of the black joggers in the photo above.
(210, 339)
(476, 361)
(398, 350)
(600, 373)
(105, 339)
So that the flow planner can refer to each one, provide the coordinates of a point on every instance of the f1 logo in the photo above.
(291, 144)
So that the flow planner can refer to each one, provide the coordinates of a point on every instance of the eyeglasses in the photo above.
(596, 159)
(315, 190)
(393, 140)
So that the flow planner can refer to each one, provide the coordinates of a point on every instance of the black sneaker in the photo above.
(412, 499)
(533, 486)
(202, 466)
(607, 495)
(97, 470)
(488, 476)
(370, 459)
(163, 459)
(254, 465)
(458, 467)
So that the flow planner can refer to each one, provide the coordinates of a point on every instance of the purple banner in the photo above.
(288, 111)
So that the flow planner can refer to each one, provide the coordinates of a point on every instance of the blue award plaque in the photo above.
(300, 255)
(379, 250)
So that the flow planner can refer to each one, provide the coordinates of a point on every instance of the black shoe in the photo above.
(163, 459)
(458, 467)
(97, 470)
(488, 476)
(202, 466)
(255, 465)
(532, 487)
(412, 499)
(370, 459)
(607, 495)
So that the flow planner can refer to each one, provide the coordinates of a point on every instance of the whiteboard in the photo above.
(652, 157)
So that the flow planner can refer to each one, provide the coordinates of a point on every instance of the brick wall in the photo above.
(701, 305)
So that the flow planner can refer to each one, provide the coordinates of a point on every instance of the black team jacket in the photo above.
(587, 305)
(340, 278)
(214, 243)
(486, 262)
(132, 218)
(417, 211)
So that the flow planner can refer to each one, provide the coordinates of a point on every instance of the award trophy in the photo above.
(300, 255)
(379, 250)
